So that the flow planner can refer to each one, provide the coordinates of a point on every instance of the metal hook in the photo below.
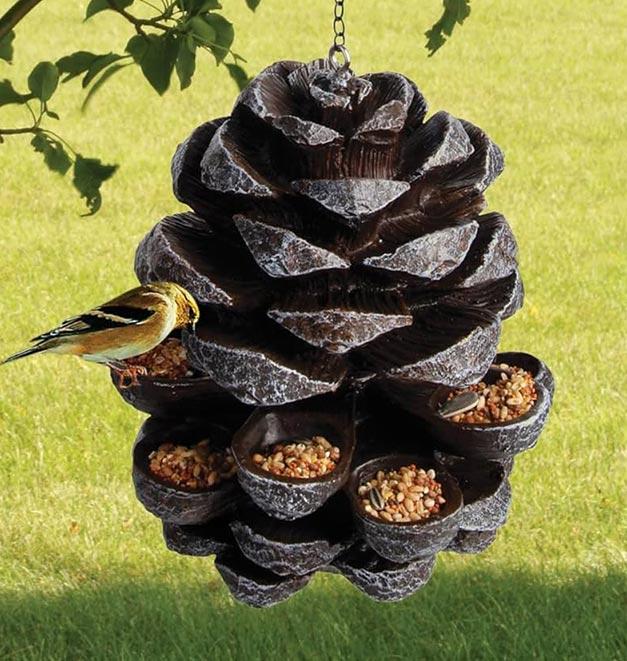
(334, 51)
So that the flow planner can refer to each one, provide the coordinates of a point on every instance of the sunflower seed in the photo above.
(465, 401)
(501, 368)
(376, 499)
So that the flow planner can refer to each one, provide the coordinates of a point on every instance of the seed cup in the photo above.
(177, 504)
(160, 396)
(495, 440)
(403, 542)
(284, 497)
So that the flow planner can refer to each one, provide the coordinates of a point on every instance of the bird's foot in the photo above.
(127, 375)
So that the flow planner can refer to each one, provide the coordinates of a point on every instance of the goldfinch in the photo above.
(129, 325)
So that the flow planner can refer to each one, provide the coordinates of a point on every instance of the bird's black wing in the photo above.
(104, 317)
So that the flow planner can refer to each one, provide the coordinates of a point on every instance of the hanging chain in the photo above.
(338, 48)
(339, 27)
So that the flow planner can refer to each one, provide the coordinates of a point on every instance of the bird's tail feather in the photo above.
(24, 353)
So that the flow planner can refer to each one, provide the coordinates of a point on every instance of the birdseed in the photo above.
(168, 360)
(407, 494)
(512, 395)
(301, 458)
(192, 467)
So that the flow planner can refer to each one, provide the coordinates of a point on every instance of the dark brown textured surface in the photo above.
(494, 253)
(319, 172)
(256, 368)
(340, 322)
(432, 255)
(472, 541)
(443, 345)
(353, 200)
(211, 538)
(281, 253)
(348, 278)
(440, 141)
(255, 586)
(381, 579)
(185, 170)
(285, 497)
(187, 395)
(184, 249)
(403, 542)
(503, 297)
(169, 503)
(295, 547)
(486, 490)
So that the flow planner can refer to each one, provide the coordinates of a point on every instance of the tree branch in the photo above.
(29, 129)
(140, 23)
(15, 14)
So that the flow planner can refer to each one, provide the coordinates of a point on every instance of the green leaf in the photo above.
(9, 95)
(43, 80)
(52, 114)
(455, 12)
(55, 156)
(253, 4)
(238, 75)
(198, 6)
(224, 35)
(96, 6)
(435, 40)
(202, 30)
(6, 46)
(185, 64)
(89, 175)
(101, 81)
(100, 63)
(137, 47)
(75, 64)
(156, 55)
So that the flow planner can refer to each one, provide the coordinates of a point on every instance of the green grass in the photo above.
(83, 571)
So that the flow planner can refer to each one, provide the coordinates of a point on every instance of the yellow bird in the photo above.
(129, 325)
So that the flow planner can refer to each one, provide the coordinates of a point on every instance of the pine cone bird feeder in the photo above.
(349, 281)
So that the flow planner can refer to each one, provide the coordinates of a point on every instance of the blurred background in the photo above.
(83, 569)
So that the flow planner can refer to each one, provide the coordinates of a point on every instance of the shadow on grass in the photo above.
(465, 615)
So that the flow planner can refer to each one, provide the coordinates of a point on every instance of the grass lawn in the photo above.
(83, 570)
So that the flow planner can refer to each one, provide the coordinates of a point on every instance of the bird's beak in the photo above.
(191, 327)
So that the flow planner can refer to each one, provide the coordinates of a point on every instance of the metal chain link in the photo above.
(339, 27)
(338, 48)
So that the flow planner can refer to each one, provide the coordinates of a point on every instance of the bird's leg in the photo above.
(124, 372)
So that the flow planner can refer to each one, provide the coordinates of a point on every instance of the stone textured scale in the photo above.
(346, 270)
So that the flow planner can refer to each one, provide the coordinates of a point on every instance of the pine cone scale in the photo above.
(354, 200)
(430, 256)
(282, 253)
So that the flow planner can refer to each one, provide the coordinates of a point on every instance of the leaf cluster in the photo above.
(164, 43)
(455, 13)
(88, 174)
